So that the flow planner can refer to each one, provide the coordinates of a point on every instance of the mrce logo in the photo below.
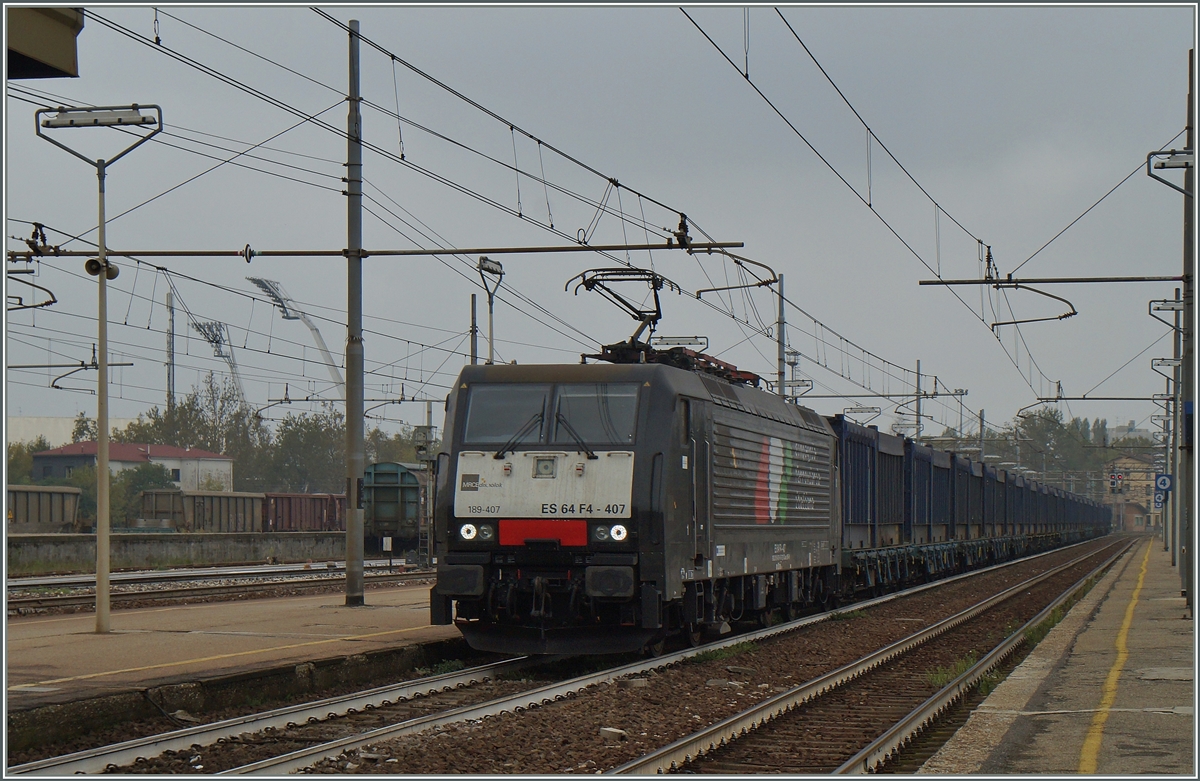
(473, 483)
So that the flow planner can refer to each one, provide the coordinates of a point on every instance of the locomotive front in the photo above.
(537, 512)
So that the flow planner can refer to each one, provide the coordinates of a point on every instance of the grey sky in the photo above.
(1015, 119)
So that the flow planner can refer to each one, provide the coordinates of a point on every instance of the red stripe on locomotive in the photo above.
(572, 533)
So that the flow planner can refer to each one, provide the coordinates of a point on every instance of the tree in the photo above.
(310, 452)
(398, 447)
(20, 459)
(85, 429)
(1074, 453)
(83, 478)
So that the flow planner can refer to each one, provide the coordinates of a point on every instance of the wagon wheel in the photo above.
(823, 599)
(693, 634)
(655, 648)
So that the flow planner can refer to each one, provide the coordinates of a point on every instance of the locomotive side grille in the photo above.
(759, 479)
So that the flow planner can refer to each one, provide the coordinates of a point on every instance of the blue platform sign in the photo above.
(1162, 482)
(1158, 500)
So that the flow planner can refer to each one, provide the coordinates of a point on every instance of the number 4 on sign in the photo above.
(1162, 482)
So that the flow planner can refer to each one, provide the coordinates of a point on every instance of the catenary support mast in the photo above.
(355, 456)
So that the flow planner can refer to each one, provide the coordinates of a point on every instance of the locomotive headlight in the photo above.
(618, 532)
(467, 531)
(600, 533)
(487, 533)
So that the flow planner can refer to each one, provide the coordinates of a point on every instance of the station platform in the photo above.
(58, 659)
(1109, 691)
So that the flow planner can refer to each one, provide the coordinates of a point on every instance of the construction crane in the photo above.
(217, 334)
(288, 310)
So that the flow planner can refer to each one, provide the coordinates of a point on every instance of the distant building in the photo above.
(1130, 432)
(1133, 500)
(191, 469)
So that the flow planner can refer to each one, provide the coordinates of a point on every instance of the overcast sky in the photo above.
(1013, 120)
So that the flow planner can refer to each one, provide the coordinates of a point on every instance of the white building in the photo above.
(191, 469)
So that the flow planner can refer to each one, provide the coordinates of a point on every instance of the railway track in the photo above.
(387, 700)
(147, 589)
(855, 718)
(600, 721)
(609, 724)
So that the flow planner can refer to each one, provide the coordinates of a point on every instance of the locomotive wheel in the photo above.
(693, 634)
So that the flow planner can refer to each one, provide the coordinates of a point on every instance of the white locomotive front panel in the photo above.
(544, 484)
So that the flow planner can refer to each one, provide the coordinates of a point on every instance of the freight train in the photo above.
(393, 506)
(599, 508)
(393, 497)
(42, 509)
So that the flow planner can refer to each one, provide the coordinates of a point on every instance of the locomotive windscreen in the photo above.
(497, 412)
(597, 413)
(601, 413)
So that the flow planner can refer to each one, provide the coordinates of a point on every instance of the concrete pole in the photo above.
(781, 338)
(917, 433)
(1173, 460)
(355, 455)
(426, 553)
(474, 334)
(103, 509)
(170, 351)
(981, 428)
(1187, 471)
(1165, 511)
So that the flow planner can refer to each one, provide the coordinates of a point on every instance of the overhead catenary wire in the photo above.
(371, 371)
(193, 316)
(283, 105)
(310, 307)
(851, 187)
(870, 133)
(1071, 224)
(748, 303)
(428, 233)
(27, 94)
(1139, 354)
(230, 160)
(387, 154)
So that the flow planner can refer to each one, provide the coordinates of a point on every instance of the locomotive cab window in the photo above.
(600, 413)
(497, 413)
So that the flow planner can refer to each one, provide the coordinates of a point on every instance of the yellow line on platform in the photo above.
(214, 658)
(1091, 744)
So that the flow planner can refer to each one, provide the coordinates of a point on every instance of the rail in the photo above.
(685, 749)
(99, 759)
(305, 757)
(20, 604)
(872, 755)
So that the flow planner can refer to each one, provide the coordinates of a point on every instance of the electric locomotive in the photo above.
(601, 507)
